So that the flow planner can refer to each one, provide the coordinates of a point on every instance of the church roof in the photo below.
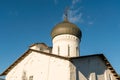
(106, 62)
(66, 27)
(41, 44)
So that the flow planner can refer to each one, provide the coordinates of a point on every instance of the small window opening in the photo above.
(31, 78)
(68, 50)
(58, 50)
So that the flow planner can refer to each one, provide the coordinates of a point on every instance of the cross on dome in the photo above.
(66, 14)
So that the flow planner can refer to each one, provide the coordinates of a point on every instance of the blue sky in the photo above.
(24, 22)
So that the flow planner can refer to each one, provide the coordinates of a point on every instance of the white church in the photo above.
(62, 61)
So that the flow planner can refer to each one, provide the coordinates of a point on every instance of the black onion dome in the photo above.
(66, 27)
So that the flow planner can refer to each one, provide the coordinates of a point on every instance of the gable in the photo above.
(16, 62)
(40, 65)
(22, 57)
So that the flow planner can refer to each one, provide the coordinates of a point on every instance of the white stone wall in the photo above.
(108, 75)
(41, 67)
(90, 68)
(45, 67)
(66, 45)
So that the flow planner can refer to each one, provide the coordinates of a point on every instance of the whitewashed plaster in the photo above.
(41, 67)
(47, 67)
(66, 45)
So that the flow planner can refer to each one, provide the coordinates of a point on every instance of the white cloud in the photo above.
(75, 1)
(90, 22)
(75, 16)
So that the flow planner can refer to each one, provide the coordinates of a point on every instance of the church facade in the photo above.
(62, 61)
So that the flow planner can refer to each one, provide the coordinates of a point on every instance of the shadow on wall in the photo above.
(2, 79)
(88, 67)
